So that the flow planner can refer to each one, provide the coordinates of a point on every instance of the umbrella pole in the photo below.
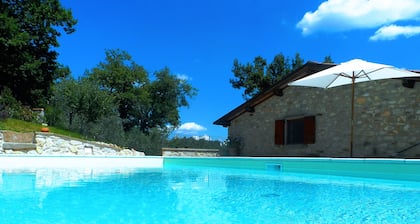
(352, 114)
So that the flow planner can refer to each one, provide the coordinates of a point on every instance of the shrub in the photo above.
(13, 108)
(3, 112)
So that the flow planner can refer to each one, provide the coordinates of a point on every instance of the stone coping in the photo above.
(383, 168)
(53, 161)
(19, 146)
(190, 150)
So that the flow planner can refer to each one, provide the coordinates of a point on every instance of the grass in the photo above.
(24, 126)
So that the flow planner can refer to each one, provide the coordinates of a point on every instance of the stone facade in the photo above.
(386, 124)
(40, 143)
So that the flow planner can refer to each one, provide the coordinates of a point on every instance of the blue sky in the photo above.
(198, 40)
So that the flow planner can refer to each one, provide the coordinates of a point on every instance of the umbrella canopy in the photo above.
(356, 70)
(349, 73)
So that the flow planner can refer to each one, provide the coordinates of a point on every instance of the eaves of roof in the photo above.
(277, 89)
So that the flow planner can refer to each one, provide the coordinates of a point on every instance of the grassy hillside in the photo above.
(23, 126)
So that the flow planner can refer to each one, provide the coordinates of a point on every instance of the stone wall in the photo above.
(40, 143)
(387, 121)
(190, 152)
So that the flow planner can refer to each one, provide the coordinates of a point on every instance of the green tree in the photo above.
(258, 76)
(328, 59)
(297, 62)
(249, 76)
(77, 103)
(12, 108)
(150, 143)
(142, 103)
(28, 38)
(126, 81)
(166, 94)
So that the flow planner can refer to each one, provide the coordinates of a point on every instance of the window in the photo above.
(295, 131)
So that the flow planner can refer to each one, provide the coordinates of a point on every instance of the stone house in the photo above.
(307, 121)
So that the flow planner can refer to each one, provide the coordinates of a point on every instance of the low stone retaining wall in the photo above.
(40, 143)
(190, 152)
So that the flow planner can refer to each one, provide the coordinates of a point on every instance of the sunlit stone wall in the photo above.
(386, 124)
(52, 144)
(190, 152)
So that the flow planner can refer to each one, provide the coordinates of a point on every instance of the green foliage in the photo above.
(193, 143)
(141, 103)
(28, 36)
(78, 103)
(328, 59)
(124, 80)
(232, 146)
(150, 143)
(258, 76)
(3, 112)
(106, 129)
(117, 103)
(10, 105)
(12, 108)
(167, 93)
(233, 142)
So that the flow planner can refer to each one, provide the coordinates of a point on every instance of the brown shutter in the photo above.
(309, 130)
(279, 132)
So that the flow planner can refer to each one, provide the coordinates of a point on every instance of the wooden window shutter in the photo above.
(309, 130)
(279, 132)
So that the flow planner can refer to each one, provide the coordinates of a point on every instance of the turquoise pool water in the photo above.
(191, 194)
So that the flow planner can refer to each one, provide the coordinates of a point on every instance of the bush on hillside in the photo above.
(3, 112)
(12, 108)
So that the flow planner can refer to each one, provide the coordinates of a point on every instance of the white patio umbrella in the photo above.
(352, 72)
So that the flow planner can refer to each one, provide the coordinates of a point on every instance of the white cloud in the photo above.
(342, 15)
(182, 76)
(392, 32)
(205, 137)
(190, 127)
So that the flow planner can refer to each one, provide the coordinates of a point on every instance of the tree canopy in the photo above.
(79, 102)
(328, 59)
(28, 36)
(118, 101)
(125, 80)
(141, 103)
(257, 76)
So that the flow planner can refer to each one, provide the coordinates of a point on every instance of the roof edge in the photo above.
(308, 68)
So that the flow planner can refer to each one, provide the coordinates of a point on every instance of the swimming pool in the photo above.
(180, 191)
